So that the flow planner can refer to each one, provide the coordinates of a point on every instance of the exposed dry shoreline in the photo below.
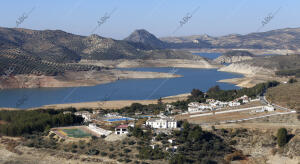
(115, 104)
(179, 63)
(254, 51)
(252, 75)
(74, 79)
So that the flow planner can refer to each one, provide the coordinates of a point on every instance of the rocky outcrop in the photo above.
(144, 37)
(231, 59)
(234, 56)
(247, 69)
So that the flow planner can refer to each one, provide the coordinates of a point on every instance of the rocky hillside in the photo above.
(286, 95)
(145, 39)
(265, 65)
(288, 38)
(45, 52)
(142, 39)
(234, 56)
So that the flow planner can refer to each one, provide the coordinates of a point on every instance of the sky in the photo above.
(160, 17)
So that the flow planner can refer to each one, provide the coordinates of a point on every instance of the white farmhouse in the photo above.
(198, 107)
(121, 129)
(162, 123)
(210, 100)
(169, 107)
(84, 114)
(245, 99)
(268, 108)
(218, 104)
(234, 103)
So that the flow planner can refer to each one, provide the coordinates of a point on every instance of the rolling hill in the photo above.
(47, 52)
(288, 38)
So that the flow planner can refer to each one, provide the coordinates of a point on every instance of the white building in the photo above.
(234, 103)
(198, 107)
(268, 108)
(174, 111)
(98, 130)
(121, 129)
(67, 112)
(84, 114)
(169, 107)
(162, 123)
(196, 41)
(245, 99)
(218, 104)
(210, 100)
(112, 115)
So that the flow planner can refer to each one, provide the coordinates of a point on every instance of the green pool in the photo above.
(76, 133)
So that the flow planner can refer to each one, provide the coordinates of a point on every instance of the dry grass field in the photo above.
(286, 95)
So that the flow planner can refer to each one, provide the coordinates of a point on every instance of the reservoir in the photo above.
(130, 89)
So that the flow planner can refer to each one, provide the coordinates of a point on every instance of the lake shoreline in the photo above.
(122, 91)
(113, 104)
(92, 78)
(78, 79)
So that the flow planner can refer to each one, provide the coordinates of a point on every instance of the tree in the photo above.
(159, 102)
(177, 159)
(292, 80)
(196, 93)
(281, 137)
(214, 89)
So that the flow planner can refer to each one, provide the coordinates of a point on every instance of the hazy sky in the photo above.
(160, 17)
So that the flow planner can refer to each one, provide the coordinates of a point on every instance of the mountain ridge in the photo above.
(257, 40)
(57, 47)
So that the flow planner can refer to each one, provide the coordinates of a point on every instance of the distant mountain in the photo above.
(145, 38)
(55, 47)
(288, 38)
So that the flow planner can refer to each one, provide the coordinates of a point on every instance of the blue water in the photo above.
(209, 55)
(131, 89)
(119, 119)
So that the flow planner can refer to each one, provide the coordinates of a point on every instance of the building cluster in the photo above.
(99, 122)
(212, 104)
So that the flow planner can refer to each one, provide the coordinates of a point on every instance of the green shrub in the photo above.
(112, 156)
(92, 152)
(232, 142)
(127, 160)
(103, 153)
(131, 142)
(127, 150)
(281, 137)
